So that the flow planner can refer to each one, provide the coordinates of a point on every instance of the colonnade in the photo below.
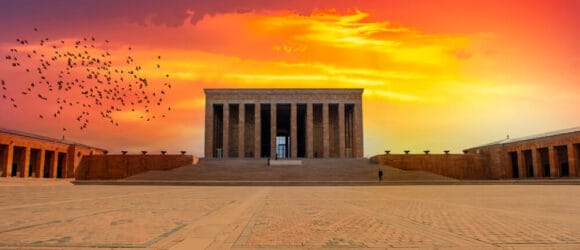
(543, 161)
(26, 161)
(314, 129)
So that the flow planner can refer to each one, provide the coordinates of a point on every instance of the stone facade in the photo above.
(111, 167)
(283, 123)
(28, 155)
(551, 155)
(554, 154)
(458, 166)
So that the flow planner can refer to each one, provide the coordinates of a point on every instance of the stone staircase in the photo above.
(340, 170)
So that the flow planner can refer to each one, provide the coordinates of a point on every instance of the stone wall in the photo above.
(459, 166)
(501, 166)
(107, 167)
(34, 155)
(234, 126)
(75, 154)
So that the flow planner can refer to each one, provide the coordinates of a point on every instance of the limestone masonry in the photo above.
(550, 155)
(28, 155)
(283, 123)
(553, 154)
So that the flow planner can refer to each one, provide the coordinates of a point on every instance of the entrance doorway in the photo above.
(544, 161)
(514, 162)
(282, 147)
(48, 161)
(61, 165)
(562, 164)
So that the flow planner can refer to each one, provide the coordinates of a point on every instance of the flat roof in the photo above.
(531, 137)
(43, 138)
(283, 91)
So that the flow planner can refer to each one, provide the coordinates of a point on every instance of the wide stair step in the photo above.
(310, 170)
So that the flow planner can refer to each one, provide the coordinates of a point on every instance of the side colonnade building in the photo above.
(283, 123)
(549, 155)
(29, 155)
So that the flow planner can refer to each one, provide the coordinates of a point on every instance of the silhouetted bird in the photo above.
(102, 86)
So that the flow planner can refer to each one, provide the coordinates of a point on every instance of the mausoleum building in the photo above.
(283, 123)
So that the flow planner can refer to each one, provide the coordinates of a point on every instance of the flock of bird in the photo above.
(83, 77)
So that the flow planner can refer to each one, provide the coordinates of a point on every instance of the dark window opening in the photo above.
(265, 124)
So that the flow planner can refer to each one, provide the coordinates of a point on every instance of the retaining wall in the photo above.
(109, 167)
(459, 166)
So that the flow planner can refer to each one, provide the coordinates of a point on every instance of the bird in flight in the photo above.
(79, 76)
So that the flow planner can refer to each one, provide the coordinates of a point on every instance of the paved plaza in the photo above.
(51, 214)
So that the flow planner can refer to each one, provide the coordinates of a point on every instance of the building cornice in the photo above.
(288, 91)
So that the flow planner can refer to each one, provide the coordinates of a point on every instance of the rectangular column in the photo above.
(309, 130)
(358, 131)
(522, 164)
(208, 151)
(9, 160)
(553, 162)
(257, 131)
(537, 163)
(26, 166)
(341, 133)
(293, 130)
(54, 165)
(241, 129)
(572, 160)
(273, 131)
(40, 173)
(226, 130)
(325, 132)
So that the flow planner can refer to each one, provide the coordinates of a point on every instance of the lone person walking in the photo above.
(380, 174)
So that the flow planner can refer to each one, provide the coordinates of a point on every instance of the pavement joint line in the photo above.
(105, 245)
(261, 197)
(249, 227)
(61, 220)
(79, 200)
(167, 235)
(189, 232)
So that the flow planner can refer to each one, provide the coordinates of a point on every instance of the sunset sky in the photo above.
(437, 75)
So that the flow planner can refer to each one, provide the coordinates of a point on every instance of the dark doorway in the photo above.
(18, 161)
(265, 125)
(514, 161)
(333, 134)
(565, 169)
(301, 130)
(544, 161)
(3, 158)
(317, 135)
(348, 129)
(14, 169)
(34, 163)
(283, 131)
(233, 130)
(218, 131)
(48, 161)
(61, 165)
(249, 129)
(562, 160)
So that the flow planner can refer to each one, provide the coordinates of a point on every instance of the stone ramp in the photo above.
(311, 170)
